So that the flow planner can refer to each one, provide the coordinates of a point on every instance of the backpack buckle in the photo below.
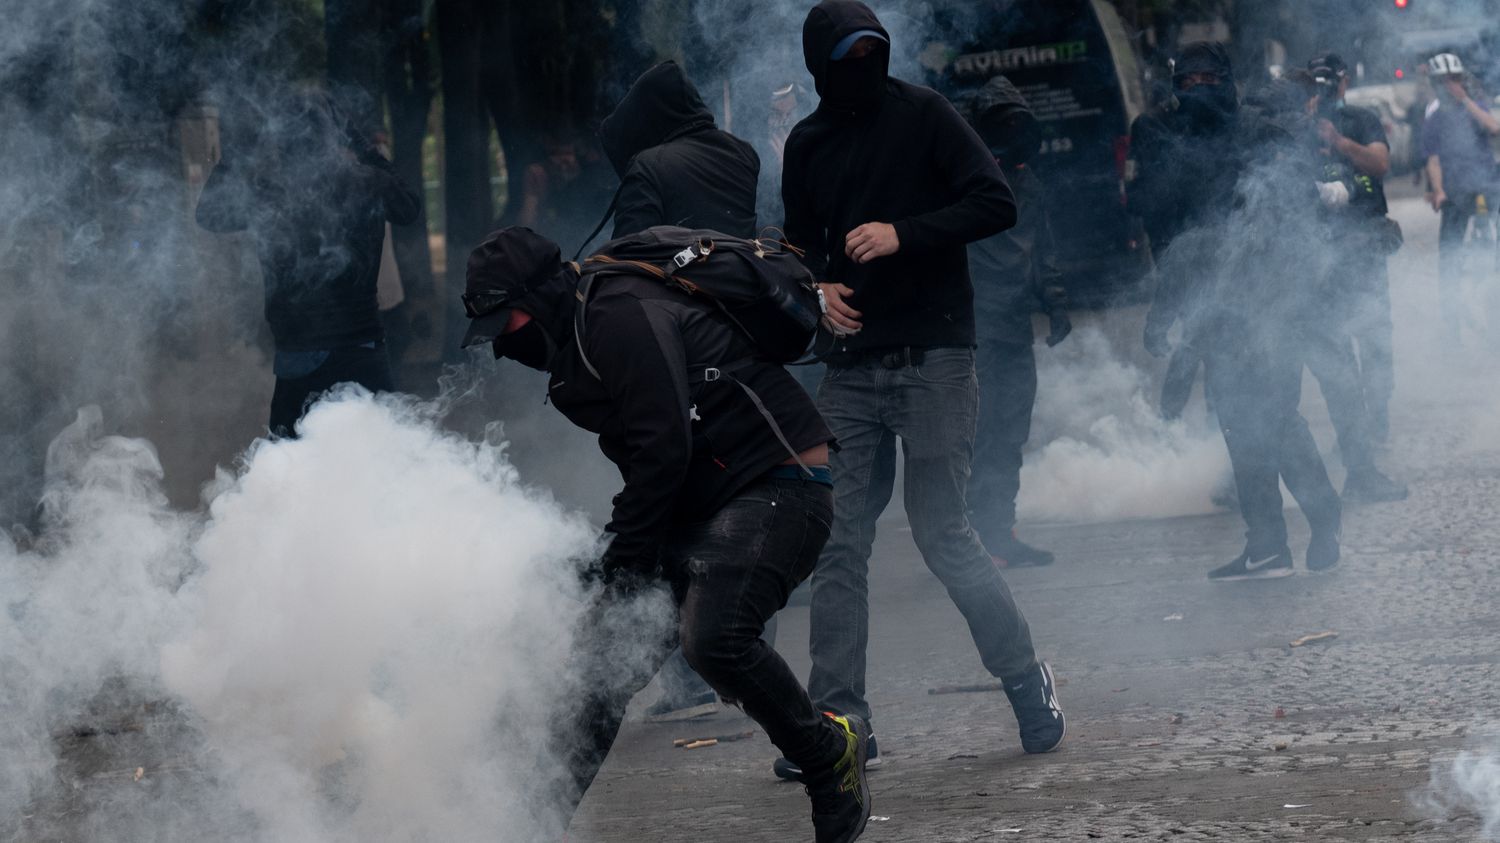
(711, 374)
(684, 257)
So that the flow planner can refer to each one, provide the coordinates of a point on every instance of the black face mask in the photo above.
(1208, 106)
(528, 345)
(857, 84)
(1013, 139)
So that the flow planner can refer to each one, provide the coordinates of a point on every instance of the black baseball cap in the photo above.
(1328, 66)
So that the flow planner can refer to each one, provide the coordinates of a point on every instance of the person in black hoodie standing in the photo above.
(677, 168)
(884, 186)
(1016, 275)
(316, 208)
(714, 505)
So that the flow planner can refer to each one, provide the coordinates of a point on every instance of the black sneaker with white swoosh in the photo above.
(1255, 566)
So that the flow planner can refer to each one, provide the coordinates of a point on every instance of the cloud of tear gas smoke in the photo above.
(1468, 784)
(366, 635)
(1101, 451)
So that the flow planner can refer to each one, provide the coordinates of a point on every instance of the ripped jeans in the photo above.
(728, 576)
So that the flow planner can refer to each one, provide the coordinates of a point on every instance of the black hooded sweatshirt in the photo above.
(675, 166)
(911, 161)
(1013, 269)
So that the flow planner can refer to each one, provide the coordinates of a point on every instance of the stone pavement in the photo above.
(1190, 716)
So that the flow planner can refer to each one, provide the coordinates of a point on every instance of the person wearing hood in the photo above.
(1015, 275)
(675, 166)
(1244, 271)
(885, 186)
(316, 207)
(714, 506)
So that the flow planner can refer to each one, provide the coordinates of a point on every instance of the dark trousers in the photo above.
(1256, 384)
(1330, 356)
(369, 367)
(728, 576)
(1007, 393)
(1456, 214)
(930, 407)
(1369, 324)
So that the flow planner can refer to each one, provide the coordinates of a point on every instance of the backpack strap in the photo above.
(727, 372)
(614, 202)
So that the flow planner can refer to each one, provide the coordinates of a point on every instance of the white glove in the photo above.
(1333, 193)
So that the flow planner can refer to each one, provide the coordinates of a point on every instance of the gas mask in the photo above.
(528, 345)
(857, 84)
(1208, 106)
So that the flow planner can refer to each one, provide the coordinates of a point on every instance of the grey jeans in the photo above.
(931, 407)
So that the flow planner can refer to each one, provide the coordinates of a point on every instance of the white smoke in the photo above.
(1102, 451)
(1468, 785)
(368, 627)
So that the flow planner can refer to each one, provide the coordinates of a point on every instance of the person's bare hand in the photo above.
(840, 319)
(1327, 132)
(1456, 89)
(870, 241)
(1437, 198)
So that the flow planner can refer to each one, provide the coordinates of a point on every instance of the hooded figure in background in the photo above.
(675, 166)
(726, 510)
(1246, 266)
(1015, 275)
(316, 204)
(885, 186)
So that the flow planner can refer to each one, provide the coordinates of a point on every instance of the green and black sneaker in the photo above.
(841, 794)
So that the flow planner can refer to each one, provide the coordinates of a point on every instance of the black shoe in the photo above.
(841, 794)
(1370, 486)
(1034, 699)
(1323, 550)
(786, 769)
(1011, 552)
(1255, 566)
(670, 711)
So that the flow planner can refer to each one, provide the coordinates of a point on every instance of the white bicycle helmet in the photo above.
(1445, 64)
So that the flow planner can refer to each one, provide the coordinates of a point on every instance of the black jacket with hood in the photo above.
(683, 447)
(1013, 269)
(909, 160)
(675, 166)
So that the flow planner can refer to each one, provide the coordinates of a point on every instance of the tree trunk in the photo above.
(408, 95)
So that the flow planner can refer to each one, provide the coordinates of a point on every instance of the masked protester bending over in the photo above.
(884, 186)
(1015, 275)
(316, 205)
(676, 168)
(1355, 144)
(1246, 271)
(714, 505)
(1461, 175)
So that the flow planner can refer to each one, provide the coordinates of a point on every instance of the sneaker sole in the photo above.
(689, 713)
(863, 754)
(1271, 574)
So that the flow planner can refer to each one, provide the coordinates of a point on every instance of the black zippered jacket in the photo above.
(675, 166)
(912, 162)
(650, 345)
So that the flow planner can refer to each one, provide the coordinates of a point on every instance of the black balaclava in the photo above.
(858, 84)
(1206, 107)
(518, 269)
(1012, 134)
(530, 345)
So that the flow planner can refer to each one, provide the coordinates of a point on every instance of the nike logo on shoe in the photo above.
(1257, 564)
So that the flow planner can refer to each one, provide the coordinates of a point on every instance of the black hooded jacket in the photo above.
(675, 166)
(1013, 269)
(683, 447)
(912, 162)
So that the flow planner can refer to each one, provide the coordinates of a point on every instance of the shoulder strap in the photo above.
(614, 202)
(727, 372)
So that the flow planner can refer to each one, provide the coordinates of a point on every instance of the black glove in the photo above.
(1060, 325)
(626, 571)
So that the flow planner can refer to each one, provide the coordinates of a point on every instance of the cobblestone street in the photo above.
(1190, 715)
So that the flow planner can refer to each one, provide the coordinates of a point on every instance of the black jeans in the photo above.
(1331, 357)
(1452, 252)
(1255, 384)
(728, 576)
(370, 367)
(1007, 393)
